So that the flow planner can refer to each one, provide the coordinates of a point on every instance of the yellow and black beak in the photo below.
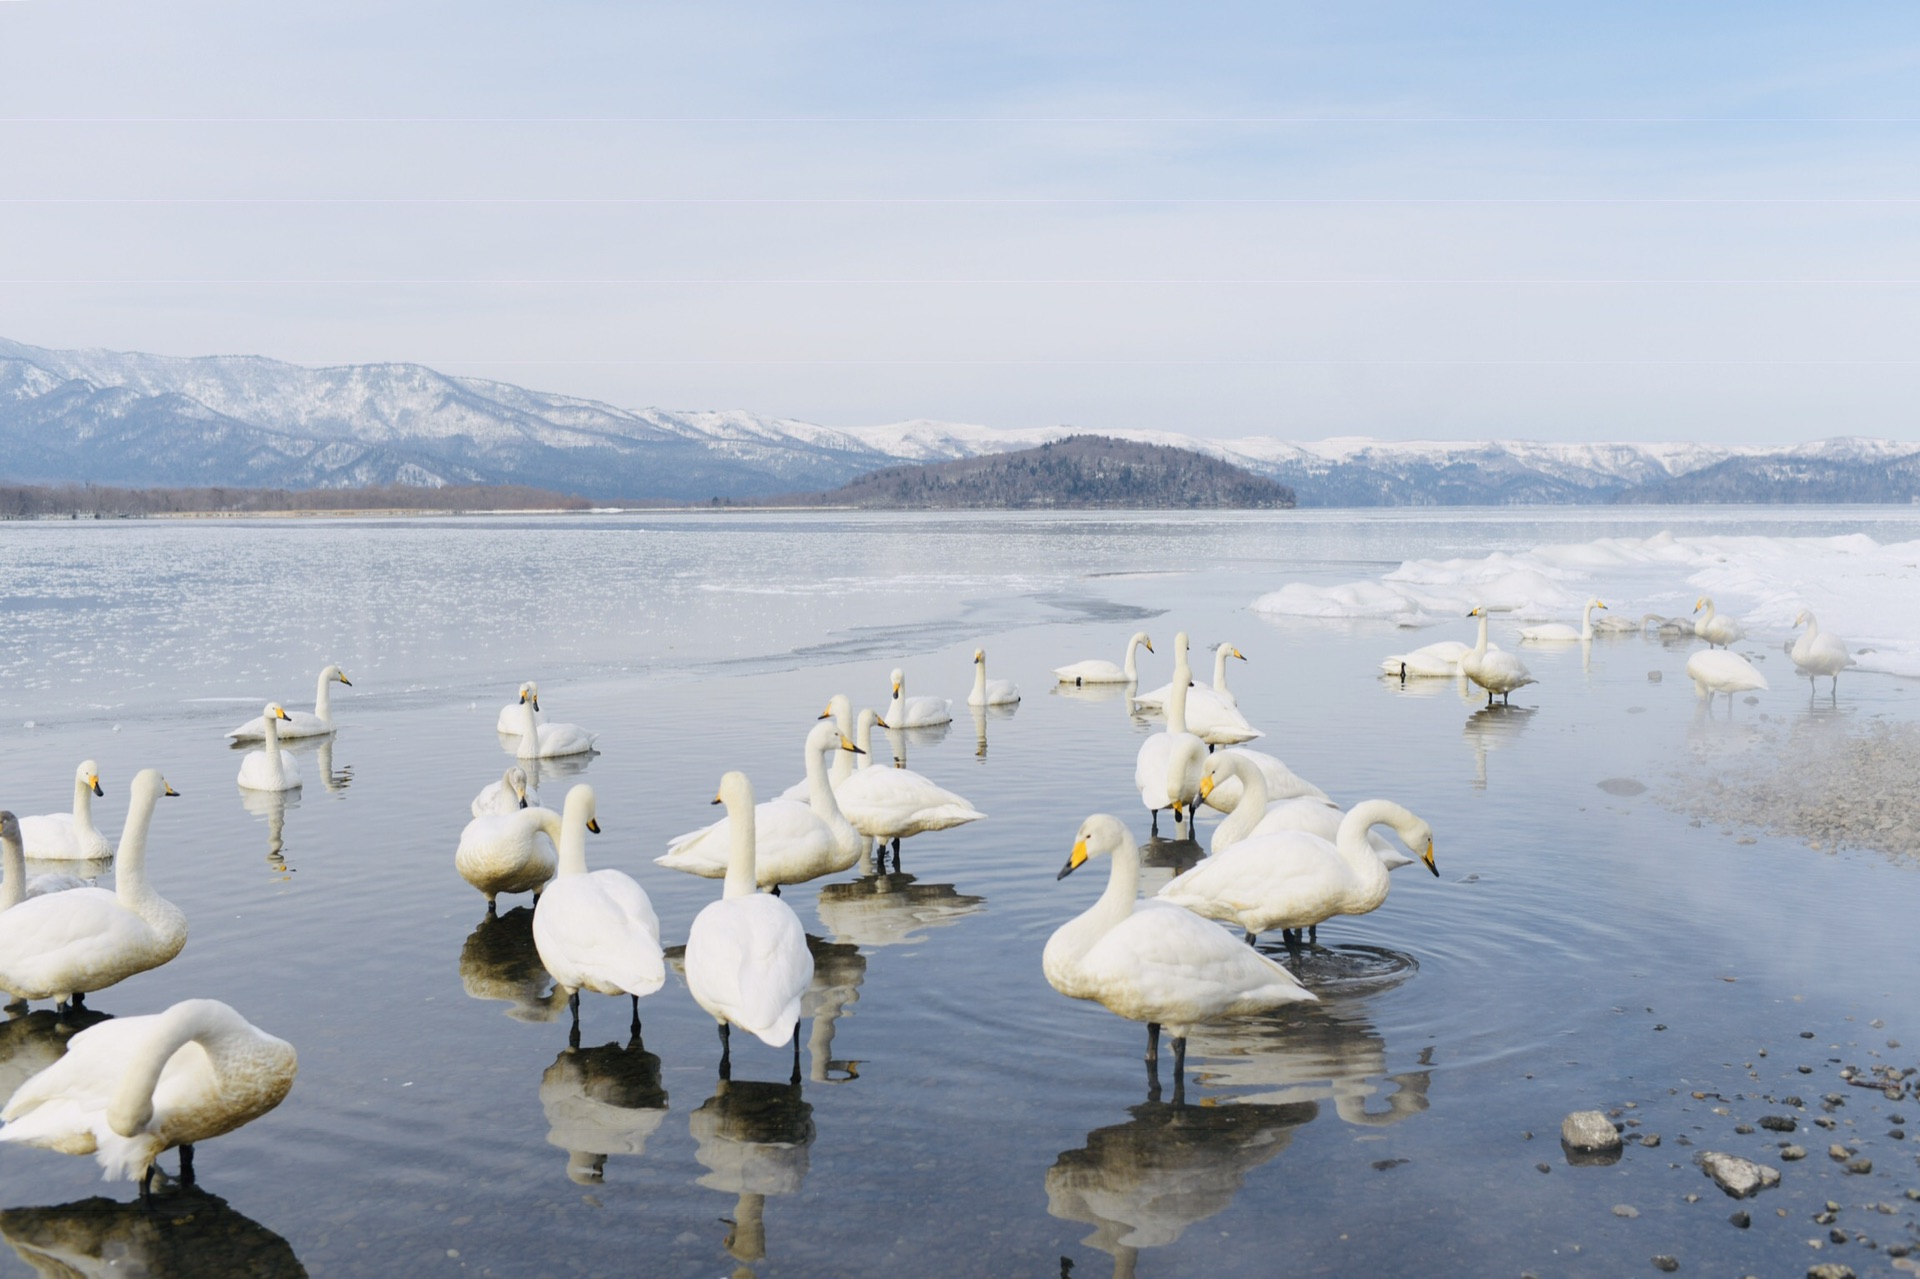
(846, 745)
(593, 824)
(93, 780)
(523, 801)
(523, 697)
(716, 800)
(881, 723)
(283, 715)
(171, 791)
(1206, 787)
(1237, 653)
(536, 701)
(1427, 857)
(825, 714)
(344, 680)
(1075, 860)
(1147, 644)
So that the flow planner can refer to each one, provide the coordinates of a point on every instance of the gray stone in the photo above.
(1589, 1131)
(1830, 1270)
(1738, 1177)
(1859, 1167)
(1665, 1263)
(1626, 1210)
(1779, 1123)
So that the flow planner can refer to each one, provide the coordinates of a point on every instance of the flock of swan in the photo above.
(1714, 670)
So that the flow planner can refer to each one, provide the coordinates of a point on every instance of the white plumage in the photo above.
(508, 720)
(1282, 782)
(1714, 627)
(595, 930)
(507, 796)
(1100, 671)
(1434, 661)
(1497, 672)
(315, 723)
(1166, 771)
(503, 852)
(916, 712)
(17, 887)
(1560, 632)
(896, 803)
(546, 741)
(1815, 652)
(69, 836)
(270, 768)
(990, 692)
(1715, 670)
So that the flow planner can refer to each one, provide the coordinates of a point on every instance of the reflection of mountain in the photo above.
(753, 1138)
(602, 1101)
(1142, 1183)
(1320, 1053)
(31, 1042)
(499, 961)
(186, 1233)
(838, 970)
(891, 910)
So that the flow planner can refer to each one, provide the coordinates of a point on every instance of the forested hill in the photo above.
(1075, 473)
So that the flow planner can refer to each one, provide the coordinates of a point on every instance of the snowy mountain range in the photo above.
(129, 419)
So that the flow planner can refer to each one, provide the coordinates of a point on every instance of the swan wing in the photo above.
(1093, 671)
(1150, 771)
(1166, 964)
(599, 931)
(51, 835)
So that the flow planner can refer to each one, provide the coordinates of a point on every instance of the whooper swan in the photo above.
(1715, 628)
(1254, 814)
(508, 721)
(1435, 661)
(916, 712)
(1497, 672)
(508, 795)
(896, 803)
(1282, 782)
(1166, 772)
(17, 887)
(1719, 671)
(1560, 632)
(1097, 670)
(547, 741)
(69, 836)
(315, 723)
(270, 768)
(1816, 653)
(503, 852)
(990, 692)
(595, 930)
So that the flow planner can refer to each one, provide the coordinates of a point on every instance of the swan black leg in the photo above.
(1153, 1041)
(1153, 1079)
(1313, 934)
(1250, 938)
(776, 890)
(78, 1000)
(1153, 827)
(796, 1054)
(726, 1052)
(186, 1165)
(1180, 1071)
(896, 854)
(146, 1186)
(633, 1029)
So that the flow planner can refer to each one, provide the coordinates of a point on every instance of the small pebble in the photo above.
(1859, 1167)
(1741, 1219)
(1649, 1138)
(1542, 1168)
(1791, 1152)
(1743, 1129)
(1665, 1263)
(1838, 1152)
(1626, 1210)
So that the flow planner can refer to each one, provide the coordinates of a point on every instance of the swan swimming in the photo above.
(69, 836)
(131, 1088)
(747, 961)
(315, 723)
(897, 803)
(990, 692)
(1717, 629)
(1152, 961)
(1166, 772)
(1492, 669)
(595, 930)
(916, 712)
(270, 768)
(1816, 653)
(546, 741)
(507, 722)
(1294, 880)
(505, 797)
(1212, 717)
(1096, 670)
(794, 842)
(1560, 632)
(71, 943)
(1157, 698)
(17, 886)
(1435, 661)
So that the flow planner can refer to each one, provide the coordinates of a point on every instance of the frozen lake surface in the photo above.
(1585, 946)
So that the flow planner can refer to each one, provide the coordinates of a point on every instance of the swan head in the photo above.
(839, 708)
(1221, 765)
(88, 774)
(334, 674)
(1596, 603)
(276, 711)
(530, 694)
(1143, 640)
(870, 720)
(1234, 652)
(1180, 642)
(979, 656)
(580, 803)
(9, 827)
(826, 736)
(1476, 611)
(735, 792)
(1705, 601)
(150, 785)
(899, 680)
(516, 780)
(1100, 833)
(1802, 618)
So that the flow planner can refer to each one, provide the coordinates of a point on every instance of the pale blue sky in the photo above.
(1545, 221)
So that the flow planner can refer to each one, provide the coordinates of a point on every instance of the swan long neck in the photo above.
(819, 788)
(1131, 667)
(130, 862)
(572, 844)
(14, 890)
(1586, 621)
(741, 881)
(980, 678)
(1252, 806)
(211, 1024)
(1480, 649)
(1352, 840)
(82, 807)
(1220, 656)
(529, 731)
(323, 699)
(865, 740)
(272, 734)
(1177, 699)
(1123, 885)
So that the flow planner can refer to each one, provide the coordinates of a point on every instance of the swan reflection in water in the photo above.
(319, 749)
(602, 1101)
(184, 1233)
(498, 961)
(890, 909)
(752, 1138)
(1140, 1184)
(548, 769)
(32, 1041)
(1319, 1053)
(1490, 728)
(1162, 858)
(899, 739)
(272, 806)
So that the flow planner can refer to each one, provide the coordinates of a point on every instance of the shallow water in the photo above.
(1582, 946)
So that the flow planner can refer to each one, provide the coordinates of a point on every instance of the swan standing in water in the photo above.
(1435, 661)
(507, 796)
(546, 741)
(69, 836)
(507, 722)
(270, 768)
(1491, 669)
(896, 803)
(1167, 770)
(17, 887)
(317, 723)
(1152, 961)
(131, 1088)
(596, 930)
(916, 712)
(1719, 671)
(1294, 880)
(1715, 628)
(990, 692)
(794, 842)
(65, 945)
(747, 961)
(1097, 670)
(1560, 632)
(1816, 653)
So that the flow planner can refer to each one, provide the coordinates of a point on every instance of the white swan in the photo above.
(1491, 669)
(747, 961)
(840, 711)
(507, 796)
(1560, 632)
(1611, 625)
(502, 852)
(1151, 961)
(1213, 718)
(896, 803)
(1715, 628)
(795, 842)
(1097, 670)
(1816, 653)
(595, 930)
(1293, 880)
(69, 836)
(133, 1087)
(316, 723)
(507, 722)
(1157, 698)
(270, 768)
(1716, 670)
(916, 712)
(87, 939)
(1435, 661)
(1282, 782)
(545, 741)
(1166, 772)
(1255, 814)
(17, 886)
(990, 692)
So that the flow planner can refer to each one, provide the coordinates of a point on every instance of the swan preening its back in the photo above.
(315, 723)
(131, 1088)
(69, 836)
(508, 795)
